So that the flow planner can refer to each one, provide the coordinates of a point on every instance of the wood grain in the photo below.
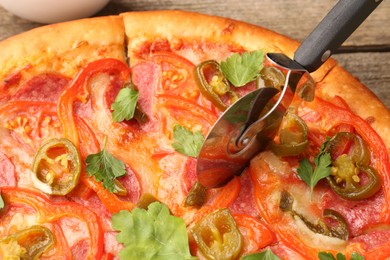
(369, 45)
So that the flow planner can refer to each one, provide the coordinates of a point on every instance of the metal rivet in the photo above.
(325, 56)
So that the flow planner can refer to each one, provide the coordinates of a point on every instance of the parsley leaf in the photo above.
(187, 143)
(1, 202)
(105, 167)
(339, 256)
(265, 255)
(151, 234)
(125, 103)
(241, 69)
(322, 170)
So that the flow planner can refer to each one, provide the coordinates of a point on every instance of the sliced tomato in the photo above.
(30, 122)
(55, 212)
(176, 76)
(175, 110)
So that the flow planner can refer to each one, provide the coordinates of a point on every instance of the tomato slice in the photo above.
(50, 213)
(176, 76)
(30, 122)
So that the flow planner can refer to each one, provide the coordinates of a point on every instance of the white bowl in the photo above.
(53, 11)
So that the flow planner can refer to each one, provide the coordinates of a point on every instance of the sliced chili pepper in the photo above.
(196, 196)
(56, 167)
(217, 236)
(29, 243)
(272, 77)
(212, 83)
(350, 188)
(343, 142)
(145, 200)
(339, 231)
(350, 160)
(293, 136)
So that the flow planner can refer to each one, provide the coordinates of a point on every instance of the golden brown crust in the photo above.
(178, 26)
(338, 82)
(63, 47)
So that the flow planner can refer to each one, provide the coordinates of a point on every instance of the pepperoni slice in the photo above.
(43, 87)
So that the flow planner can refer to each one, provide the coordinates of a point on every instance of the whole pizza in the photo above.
(101, 122)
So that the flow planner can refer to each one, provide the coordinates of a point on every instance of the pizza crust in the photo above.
(361, 100)
(177, 26)
(63, 47)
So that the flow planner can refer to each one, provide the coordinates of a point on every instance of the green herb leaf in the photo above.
(241, 69)
(105, 167)
(125, 104)
(151, 234)
(265, 255)
(356, 256)
(326, 256)
(1, 202)
(339, 256)
(187, 143)
(322, 169)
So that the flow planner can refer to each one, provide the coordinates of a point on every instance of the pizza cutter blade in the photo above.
(247, 126)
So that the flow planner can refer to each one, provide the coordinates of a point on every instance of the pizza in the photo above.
(102, 120)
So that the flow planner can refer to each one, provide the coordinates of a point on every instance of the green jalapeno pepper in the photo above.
(339, 230)
(196, 196)
(272, 77)
(56, 167)
(29, 243)
(217, 236)
(145, 200)
(213, 84)
(292, 136)
(350, 160)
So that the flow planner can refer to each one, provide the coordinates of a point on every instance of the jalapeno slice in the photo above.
(217, 236)
(29, 243)
(213, 84)
(196, 196)
(272, 77)
(145, 200)
(339, 229)
(292, 136)
(56, 167)
(351, 176)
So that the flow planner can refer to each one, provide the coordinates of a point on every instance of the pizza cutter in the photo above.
(248, 125)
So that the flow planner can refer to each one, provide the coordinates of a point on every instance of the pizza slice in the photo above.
(101, 130)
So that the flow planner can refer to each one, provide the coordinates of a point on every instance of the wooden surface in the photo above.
(366, 54)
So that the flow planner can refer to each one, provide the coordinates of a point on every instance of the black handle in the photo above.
(332, 31)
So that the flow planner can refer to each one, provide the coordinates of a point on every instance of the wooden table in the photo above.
(366, 54)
